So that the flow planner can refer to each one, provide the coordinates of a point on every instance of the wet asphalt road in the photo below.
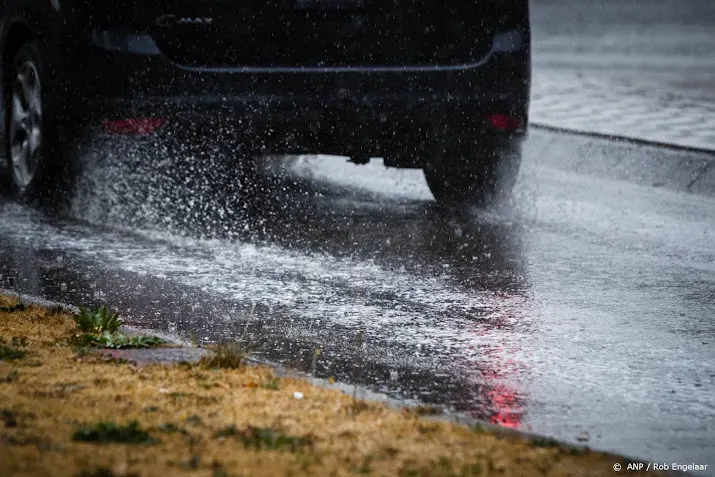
(585, 306)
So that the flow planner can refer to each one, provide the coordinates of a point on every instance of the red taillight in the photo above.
(505, 123)
(133, 125)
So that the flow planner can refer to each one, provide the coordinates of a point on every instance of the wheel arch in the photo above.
(15, 34)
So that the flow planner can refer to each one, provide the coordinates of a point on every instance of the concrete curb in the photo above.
(622, 139)
(644, 163)
(186, 353)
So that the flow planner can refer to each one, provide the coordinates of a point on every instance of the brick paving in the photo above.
(671, 108)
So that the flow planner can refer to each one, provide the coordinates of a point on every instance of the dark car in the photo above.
(442, 86)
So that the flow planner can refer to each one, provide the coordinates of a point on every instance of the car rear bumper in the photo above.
(351, 111)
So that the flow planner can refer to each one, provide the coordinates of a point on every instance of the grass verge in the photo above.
(65, 413)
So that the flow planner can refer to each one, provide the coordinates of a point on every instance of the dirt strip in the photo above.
(65, 410)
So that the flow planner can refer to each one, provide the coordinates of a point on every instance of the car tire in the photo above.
(36, 169)
(479, 175)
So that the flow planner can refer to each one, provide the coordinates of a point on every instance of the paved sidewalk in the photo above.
(677, 109)
(638, 69)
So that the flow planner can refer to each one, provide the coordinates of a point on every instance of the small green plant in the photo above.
(12, 351)
(264, 438)
(232, 354)
(97, 320)
(228, 355)
(109, 432)
(20, 342)
(19, 306)
(117, 341)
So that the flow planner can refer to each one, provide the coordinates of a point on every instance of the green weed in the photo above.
(109, 432)
(19, 306)
(229, 355)
(97, 320)
(12, 351)
(116, 341)
(264, 438)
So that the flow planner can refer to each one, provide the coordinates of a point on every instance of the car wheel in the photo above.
(480, 176)
(31, 129)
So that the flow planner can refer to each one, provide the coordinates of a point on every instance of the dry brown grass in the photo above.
(220, 422)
